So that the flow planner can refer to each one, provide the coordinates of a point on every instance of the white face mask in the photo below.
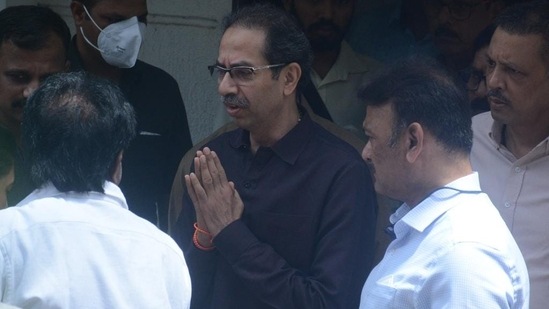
(119, 43)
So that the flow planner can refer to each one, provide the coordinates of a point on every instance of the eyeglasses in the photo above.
(459, 10)
(475, 78)
(240, 74)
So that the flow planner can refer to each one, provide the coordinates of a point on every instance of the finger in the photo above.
(205, 176)
(206, 151)
(197, 167)
(238, 207)
(197, 163)
(219, 167)
(190, 189)
(235, 192)
(214, 172)
(193, 197)
(200, 194)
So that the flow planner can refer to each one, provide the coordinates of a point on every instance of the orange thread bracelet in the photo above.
(198, 245)
(201, 230)
(195, 238)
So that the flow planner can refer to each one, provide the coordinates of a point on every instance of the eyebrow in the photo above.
(490, 58)
(506, 64)
(234, 65)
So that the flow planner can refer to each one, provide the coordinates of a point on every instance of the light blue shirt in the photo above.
(452, 250)
(87, 250)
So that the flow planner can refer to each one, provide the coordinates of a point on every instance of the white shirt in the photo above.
(452, 250)
(87, 250)
(519, 188)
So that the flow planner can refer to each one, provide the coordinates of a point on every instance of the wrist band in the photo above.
(195, 238)
(196, 228)
(198, 245)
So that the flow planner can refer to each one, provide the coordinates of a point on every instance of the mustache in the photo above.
(19, 104)
(496, 94)
(444, 31)
(323, 23)
(233, 100)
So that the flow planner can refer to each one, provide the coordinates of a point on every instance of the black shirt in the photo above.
(306, 236)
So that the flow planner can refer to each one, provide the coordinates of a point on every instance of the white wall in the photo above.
(182, 38)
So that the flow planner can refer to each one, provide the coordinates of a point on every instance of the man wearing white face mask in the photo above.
(109, 34)
(119, 42)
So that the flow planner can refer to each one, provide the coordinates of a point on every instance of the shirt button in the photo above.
(507, 204)
(247, 185)
(518, 169)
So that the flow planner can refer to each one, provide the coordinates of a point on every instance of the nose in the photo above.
(325, 9)
(227, 85)
(367, 152)
(493, 78)
(443, 16)
(30, 88)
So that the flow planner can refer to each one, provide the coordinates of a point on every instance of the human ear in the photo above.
(414, 141)
(116, 169)
(78, 14)
(290, 76)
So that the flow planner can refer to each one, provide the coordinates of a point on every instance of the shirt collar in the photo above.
(289, 147)
(112, 193)
(432, 207)
(496, 134)
(347, 62)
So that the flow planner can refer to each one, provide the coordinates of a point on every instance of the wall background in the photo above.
(181, 38)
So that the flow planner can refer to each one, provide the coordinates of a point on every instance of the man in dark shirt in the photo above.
(294, 226)
(151, 161)
(34, 42)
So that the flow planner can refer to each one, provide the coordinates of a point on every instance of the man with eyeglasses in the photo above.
(476, 77)
(337, 70)
(109, 34)
(511, 142)
(456, 24)
(278, 213)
